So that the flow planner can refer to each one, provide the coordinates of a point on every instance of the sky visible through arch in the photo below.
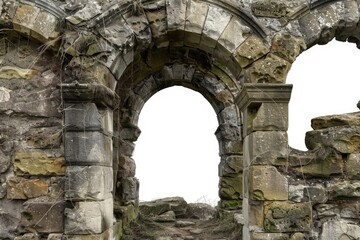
(177, 151)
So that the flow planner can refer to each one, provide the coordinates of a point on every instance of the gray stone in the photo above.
(344, 139)
(4, 162)
(268, 236)
(195, 20)
(230, 165)
(349, 119)
(8, 225)
(183, 223)
(89, 217)
(228, 132)
(269, 147)
(168, 216)
(304, 193)
(339, 229)
(310, 28)
(343, 189)
(327, 210)
(88, 182)
(231, 188)
(4, 94)
(201, 211)
(43, 216)
(126, 167)
(160, 206)
(82, 117)
(129, 188)
(88, 148)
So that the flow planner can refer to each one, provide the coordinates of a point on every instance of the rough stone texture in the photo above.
(266, 183)
(89, 217)
(88, 182)
(88, 148)
(304, 193)
(231, 188)
(287, 217)
(250, 50)
(230, 165)
(160, 206)
(344, 139)
(287, 47)
(271, 69)
(349, 119)
(44, 216)
(344, 189)
(21, 188)
(195, 19)
(201, 211)
(274, 150)
(336, 229)
(38, 163)
(352, 166)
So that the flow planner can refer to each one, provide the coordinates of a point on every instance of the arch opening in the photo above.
(327, 74)
(176, 153)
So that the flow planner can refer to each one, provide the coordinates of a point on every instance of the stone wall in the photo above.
(75, 74)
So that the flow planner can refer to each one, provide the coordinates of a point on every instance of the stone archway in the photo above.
(119, 53)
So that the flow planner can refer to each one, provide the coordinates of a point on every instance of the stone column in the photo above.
(264, 110)
(88, 154)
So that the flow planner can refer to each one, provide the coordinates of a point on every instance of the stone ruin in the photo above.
(75, 75)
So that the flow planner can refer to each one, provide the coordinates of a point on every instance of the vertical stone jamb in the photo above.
(88, 154)
(264, 109)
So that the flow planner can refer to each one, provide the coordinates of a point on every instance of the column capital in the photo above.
(263, 92)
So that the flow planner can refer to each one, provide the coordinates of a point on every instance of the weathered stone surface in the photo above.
(22, 188)
(9, 72)
(82, 116)
(231, 188)
(287, 217)
(228, 132)
(230, 204)
(266, 148)
(352, 166)
(201, 211)
(287, 47)
(4, 94)
(268, 236)
(160, 206)
(89, 217)
(251, 50)
(176, 10)
(4, 161)
(44, 138)
(216, 21)
(349, 119)
(57, 187)
(43, 216)
(8, 225)
(126, 167)
(344, 139)
(184, 223)
(325, 162)
(24, 18)
(253, 215)
(45, 26)
(88, 148)
(38, 163)
(271, 69)
(88, 182)
(157, 20)
(343, 189)
(129, 188)
(231, 165)
(168, 216)
(87, 12)
(339, 229)
(3, 187)
(195, 19)
(266, 183)
(234, 34)
(28, 236)
(310, 28)
(305, 193)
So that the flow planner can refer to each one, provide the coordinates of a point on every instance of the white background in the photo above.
(177, 152)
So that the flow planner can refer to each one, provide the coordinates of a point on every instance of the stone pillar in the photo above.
(88, 154)
(264, 110)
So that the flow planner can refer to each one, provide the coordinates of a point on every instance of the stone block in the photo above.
(267, 183)
(282, 216)
(4, 161)
(268, 236)
(195, 20)
(8, 225)
(44, 138)
(310, 28)
(229, 115)
(339, 229)
(348, 119)
(352, 166)
(28, 236)
(343, 189)
(89, 217)
(25, 17)
(228, 132)
(231, 188)
(22, 188)
(230, 165)
(308, 193)
(327, 210)
(230, 204)
(129, 189)
(266, 148)
(234, 34)
(216, 21)
(88, 148)
(127, 148)
(230, 147)
(88, 182)
(57, 187)
(157, 18)
(82, 117)
(271, 69)
(55, 236)
(45, 26)
(126, 167)
(44, 217)
(253, 215)
(36, 163)
(250, 50)
(176, 13)
(266, 116)
(344, 139)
